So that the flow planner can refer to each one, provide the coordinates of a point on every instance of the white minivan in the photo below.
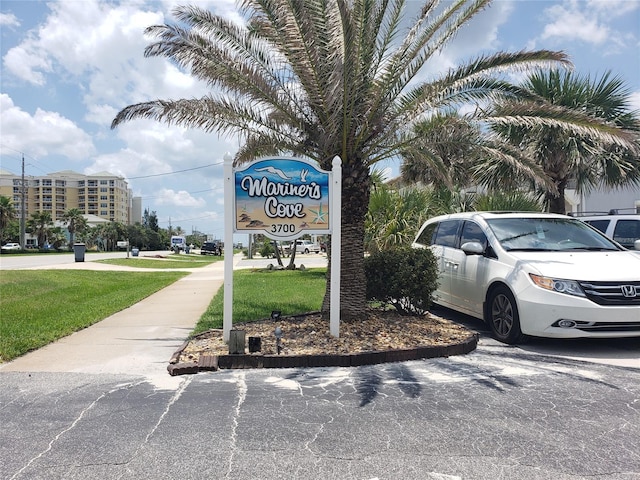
(534, 274)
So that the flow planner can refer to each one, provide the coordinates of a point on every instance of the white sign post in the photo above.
(282, 198)
(227, 317)
(336, 218)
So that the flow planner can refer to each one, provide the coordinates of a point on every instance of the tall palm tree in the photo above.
(320, 78)
(40, 225)
(7, 215)
(575, 156)
(75, 222)
(446, 148)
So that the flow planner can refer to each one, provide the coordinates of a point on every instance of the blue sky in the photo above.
(69, 66)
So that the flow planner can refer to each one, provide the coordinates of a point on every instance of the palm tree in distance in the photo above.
(574, 156)
(75, 222)
(324, 78)
(40, 225)
(7, 215)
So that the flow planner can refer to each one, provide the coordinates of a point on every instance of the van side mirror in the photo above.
(472, 248)
(636, 244)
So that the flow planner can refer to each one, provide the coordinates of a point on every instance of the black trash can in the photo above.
(79, 249)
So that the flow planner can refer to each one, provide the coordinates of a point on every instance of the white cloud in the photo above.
(570, 23)
(100, 114)
(43, 133)
(153, 148)
(9, 20)
(611, 8)
(178, 198)
(591, 22)
(23, 62)
(128, 163)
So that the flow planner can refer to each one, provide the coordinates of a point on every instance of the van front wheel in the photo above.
(503, 317)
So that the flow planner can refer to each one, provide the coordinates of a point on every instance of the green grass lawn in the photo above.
(170, 261)
(40, 306)
(256, 293)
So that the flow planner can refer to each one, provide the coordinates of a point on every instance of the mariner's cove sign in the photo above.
(283, 198)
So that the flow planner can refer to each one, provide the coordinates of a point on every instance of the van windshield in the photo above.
(548, 234)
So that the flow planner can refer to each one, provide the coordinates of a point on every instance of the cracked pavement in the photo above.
(548, 409)
(497, 413)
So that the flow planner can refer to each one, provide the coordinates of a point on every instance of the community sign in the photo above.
(282, 198)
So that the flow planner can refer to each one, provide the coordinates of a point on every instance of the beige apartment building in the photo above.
(102, 194)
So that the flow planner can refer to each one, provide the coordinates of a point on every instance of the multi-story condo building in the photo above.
(102, 194)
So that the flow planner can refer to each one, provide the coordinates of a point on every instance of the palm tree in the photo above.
(109, 233)
(7, 215)
(518, 201)
(324, 78)
(567, 156)
(75, 222)
(40, 225)
(446, 148)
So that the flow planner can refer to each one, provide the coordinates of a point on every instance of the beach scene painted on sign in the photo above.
(282, 197)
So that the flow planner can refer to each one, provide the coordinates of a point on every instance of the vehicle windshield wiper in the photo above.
(515, 237)
(530, 249)
(591, 249)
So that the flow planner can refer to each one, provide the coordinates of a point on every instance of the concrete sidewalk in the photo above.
(141, 339)
(138, 340)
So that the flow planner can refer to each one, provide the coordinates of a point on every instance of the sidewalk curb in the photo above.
(210, 363)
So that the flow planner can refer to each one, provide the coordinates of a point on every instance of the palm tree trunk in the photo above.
(556, 201)
(276, 248)
(353, 301)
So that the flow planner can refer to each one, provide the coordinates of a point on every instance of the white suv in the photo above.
(303, 246)
(535, 274)
(623, 228)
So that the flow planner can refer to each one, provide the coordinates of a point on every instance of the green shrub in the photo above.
(266, 249)
(404, 278)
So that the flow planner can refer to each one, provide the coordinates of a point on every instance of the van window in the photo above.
(447, 232)
(426, 236)
(471, 232)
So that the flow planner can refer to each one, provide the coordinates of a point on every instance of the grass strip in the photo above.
(256, 293)
(39, 307)
(178, 261)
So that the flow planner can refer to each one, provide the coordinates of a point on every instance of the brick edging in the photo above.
(242, 361)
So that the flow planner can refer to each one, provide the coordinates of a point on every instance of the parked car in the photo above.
(534, 274)
(624, 228)
(303, 246)
(11, 246)
(211, 248)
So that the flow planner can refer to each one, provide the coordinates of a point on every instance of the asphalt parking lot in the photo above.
(544, 410)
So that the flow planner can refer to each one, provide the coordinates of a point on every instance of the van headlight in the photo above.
(560, 285)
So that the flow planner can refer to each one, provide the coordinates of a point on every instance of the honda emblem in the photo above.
(629, 291)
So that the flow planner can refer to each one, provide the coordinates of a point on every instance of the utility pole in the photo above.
(23, 207)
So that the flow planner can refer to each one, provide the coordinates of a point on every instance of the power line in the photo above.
(177, 171)
(190, 193)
